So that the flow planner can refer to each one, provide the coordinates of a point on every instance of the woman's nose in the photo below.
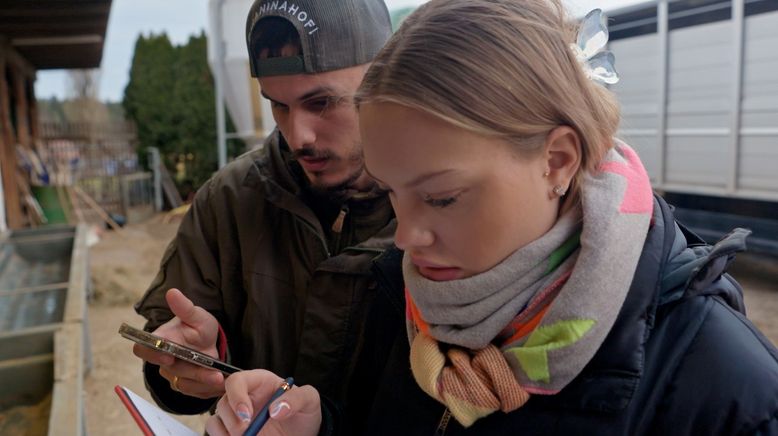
(410, 234)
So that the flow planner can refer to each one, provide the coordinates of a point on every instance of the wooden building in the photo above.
(38, 35)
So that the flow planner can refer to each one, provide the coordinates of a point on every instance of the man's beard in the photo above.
(338, 191)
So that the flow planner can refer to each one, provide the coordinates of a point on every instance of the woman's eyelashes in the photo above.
(441, 202)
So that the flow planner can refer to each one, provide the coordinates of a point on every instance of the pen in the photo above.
(263, 415)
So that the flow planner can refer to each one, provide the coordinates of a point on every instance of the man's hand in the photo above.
(195, 328)
(297, 412)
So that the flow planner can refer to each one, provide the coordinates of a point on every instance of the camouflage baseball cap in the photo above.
(334, 34)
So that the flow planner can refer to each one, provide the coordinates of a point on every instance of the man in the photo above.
(273, 260)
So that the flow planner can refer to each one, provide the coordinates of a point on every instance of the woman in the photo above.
(545, 290)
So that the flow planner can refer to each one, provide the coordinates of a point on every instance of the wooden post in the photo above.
(96, 207)
(22, 109)
(33, 110)
(13, 205)
(74, 204)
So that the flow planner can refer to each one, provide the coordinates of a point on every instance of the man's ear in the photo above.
(562, 151)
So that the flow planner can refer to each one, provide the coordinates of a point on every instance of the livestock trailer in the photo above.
(699, 98)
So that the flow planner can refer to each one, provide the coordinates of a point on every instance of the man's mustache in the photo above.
(311, 153)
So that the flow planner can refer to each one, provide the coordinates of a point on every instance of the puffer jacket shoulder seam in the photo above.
(751, 328)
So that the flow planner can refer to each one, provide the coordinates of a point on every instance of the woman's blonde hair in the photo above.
(499, 68)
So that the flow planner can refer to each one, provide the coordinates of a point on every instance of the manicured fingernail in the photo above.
(243, 413)
(280, 409)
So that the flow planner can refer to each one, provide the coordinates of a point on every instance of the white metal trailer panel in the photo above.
(700, 102)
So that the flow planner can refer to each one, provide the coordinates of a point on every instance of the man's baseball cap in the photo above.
(334, 34)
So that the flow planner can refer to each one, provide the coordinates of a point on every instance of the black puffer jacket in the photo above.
(681, 359)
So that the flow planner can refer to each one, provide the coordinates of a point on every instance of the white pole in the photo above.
(218, 77)
(738, 27)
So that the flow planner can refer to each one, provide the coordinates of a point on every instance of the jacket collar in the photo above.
(281, 184)
(270, 173)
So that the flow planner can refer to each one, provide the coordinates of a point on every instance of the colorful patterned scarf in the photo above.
(530, 324)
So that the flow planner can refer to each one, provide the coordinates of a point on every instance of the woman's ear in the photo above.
(563, 158)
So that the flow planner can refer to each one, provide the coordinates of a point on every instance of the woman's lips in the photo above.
(435, 271)
(441, 274)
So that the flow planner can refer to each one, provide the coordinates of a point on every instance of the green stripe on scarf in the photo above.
(563, 252)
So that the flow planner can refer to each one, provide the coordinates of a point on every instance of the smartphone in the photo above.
(179, 351)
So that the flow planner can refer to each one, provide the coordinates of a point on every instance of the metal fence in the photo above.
(101, 160)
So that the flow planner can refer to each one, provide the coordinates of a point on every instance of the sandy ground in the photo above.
(124, 264)
(759, 279)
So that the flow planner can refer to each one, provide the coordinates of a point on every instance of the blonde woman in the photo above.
(542, 288)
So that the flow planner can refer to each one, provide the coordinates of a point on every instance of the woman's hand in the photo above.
(296, 412)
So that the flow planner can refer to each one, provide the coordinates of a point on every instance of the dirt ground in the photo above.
(123, 264)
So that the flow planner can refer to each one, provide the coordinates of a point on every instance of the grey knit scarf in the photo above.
(613, 221)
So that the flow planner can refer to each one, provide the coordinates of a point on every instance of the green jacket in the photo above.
(257, 251)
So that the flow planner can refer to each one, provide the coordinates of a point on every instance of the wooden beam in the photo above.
(21, 30)
(19, 80)
(57, 6)
(54, 9)
(35, 131)
(13, 205)
(15, 59)
(64, 57)
(96, 207)
(14, 22)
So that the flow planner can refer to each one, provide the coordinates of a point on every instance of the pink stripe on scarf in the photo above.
(638, 197)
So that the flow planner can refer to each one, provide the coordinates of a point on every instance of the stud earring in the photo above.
(559, 190)
(547, 173)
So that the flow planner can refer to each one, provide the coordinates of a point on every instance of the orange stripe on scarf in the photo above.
(415, 315)
(526, 328)
(522, 327)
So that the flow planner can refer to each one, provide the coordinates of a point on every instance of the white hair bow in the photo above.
(598, 64)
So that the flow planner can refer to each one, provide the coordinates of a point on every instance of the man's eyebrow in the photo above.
(313, 93)
(270, 98)
(316, 92)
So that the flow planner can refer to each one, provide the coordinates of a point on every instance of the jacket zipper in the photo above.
(443, 424)
(337, 226)
(320, 237)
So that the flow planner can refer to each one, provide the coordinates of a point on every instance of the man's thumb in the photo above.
(184, 309)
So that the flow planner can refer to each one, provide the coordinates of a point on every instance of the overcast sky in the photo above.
(180, 19)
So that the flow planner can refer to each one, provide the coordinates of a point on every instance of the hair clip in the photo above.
(588, 49)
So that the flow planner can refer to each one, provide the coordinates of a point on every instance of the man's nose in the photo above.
(301, 130)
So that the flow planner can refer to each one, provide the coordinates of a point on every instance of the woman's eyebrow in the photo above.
(418, 180)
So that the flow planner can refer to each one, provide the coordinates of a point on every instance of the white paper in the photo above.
(160, 423)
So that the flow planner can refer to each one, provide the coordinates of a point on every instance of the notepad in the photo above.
(152, 420)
